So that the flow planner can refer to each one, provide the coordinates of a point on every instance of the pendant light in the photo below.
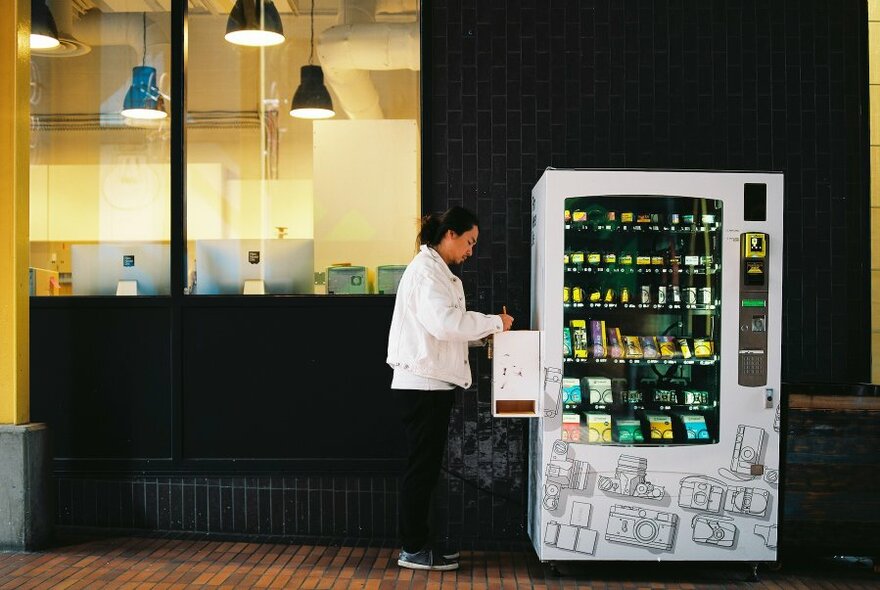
(311, 100)
(255, 23)
(143, 99)
(44, 32)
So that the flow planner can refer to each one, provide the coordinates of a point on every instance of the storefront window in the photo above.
(99, 175)
(275, 203)
(280, 204)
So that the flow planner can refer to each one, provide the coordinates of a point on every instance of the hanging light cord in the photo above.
(312, 38)
(144, 59)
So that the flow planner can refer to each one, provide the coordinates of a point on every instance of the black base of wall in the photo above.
(270, 507)
(313, 506)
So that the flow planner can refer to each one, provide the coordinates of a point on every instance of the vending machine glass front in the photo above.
(641, 322)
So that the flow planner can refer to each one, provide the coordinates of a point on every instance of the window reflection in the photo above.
(265, 187)
(99, 183)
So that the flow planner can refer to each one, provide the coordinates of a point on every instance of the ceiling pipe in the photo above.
(348, 53)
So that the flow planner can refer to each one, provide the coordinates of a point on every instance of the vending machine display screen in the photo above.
(641, 322)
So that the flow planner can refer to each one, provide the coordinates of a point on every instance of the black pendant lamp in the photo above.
(311, 100)
(44, 32)
(255, 23)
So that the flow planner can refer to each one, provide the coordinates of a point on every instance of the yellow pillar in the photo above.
(14, 169)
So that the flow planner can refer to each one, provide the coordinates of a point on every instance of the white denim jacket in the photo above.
(430, 327)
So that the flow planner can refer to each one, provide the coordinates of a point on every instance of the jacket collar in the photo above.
(434, 256)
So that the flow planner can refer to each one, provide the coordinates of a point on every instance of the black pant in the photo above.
(425, 416)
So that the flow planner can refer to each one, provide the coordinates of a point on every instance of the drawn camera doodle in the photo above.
(747, 449)
(642, 527)
(749, 501)
(629, 479)
(768, 533)
(713, 530)
(576, 536)
(701, 493)
(552, 391)
(563, 473)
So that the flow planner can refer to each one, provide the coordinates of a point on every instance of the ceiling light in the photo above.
(143, 99)
(311, 100)
(255, 23)
(44, 33)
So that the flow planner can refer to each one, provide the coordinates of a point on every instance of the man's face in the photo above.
(461, 246)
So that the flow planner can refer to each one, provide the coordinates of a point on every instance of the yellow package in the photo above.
(660, 425)
(703, 348)
(598, 427)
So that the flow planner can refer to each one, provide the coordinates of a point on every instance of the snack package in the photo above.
(579, 338)
(599, 427)
(685, 348)
(571, 390)
(703, 347)
(660, 425)
(599, 389)
(694, 426)
(598, 344)
(615, 343)
(632, 347)
(566, 343)
(650, 350)
(668, 347)
(628, 431)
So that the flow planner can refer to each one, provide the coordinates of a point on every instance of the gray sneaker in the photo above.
(425, 560)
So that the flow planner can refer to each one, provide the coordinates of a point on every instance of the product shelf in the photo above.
(702, 361)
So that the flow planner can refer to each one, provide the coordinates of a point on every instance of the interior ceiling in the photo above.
(322, 7)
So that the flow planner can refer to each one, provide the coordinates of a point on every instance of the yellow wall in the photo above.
(14, 157)
(874, 81)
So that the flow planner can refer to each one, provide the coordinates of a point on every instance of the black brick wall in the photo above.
(518, 86)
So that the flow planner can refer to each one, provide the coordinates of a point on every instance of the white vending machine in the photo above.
(653, 366)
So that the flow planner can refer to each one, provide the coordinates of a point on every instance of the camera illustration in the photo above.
(563, 473)
(749, 501)
(629, 479)
(702, 493)
(771, 476)
(747, 449)
(768, 533)
(713, 530)
(576, 536)
(642, 527)
(552, 391)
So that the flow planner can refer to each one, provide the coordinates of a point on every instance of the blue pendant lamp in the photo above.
(143, 99)
(255, 23)
(311, 100)
(44, 32)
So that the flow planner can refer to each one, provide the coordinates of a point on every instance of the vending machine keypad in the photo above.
(753, 292)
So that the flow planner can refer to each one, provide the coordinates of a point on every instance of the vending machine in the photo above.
(653, 366)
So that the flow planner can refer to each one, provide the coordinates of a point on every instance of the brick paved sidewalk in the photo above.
(132, 562)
